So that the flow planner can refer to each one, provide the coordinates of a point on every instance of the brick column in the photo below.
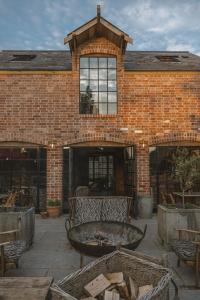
(143, 174)
(54, 173)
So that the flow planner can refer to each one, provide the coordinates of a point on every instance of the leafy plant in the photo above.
(185, 169)
(53, 202)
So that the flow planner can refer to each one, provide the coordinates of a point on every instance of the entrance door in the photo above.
(101, 174)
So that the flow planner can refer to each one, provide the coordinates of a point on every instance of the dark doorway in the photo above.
(106, 171)
(162, 183)
(23, 170)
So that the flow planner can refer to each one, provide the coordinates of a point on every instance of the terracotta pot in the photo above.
(54, 211)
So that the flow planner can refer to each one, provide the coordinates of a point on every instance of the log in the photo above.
(115, 277)
(123, 290)
(97, 286)
(111, 295)
(144, 289)
(133, 289)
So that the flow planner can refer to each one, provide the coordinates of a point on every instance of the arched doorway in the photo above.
(163, 186)
(23, 170)
(105, 168)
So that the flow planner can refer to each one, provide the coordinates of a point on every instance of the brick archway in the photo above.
(94, 137)
(16, 137)
(175, 137)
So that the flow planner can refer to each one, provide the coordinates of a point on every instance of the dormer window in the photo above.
(98, 85)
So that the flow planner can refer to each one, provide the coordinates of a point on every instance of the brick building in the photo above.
(97, 116)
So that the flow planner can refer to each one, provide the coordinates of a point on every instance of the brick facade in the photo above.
(42, 107)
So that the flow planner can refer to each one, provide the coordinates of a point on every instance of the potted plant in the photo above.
(53, 208)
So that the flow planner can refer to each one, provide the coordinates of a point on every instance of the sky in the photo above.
(163, 25)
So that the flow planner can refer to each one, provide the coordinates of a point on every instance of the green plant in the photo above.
(53, 202)
(185, 169)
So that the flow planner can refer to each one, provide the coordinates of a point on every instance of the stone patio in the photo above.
(52, 255)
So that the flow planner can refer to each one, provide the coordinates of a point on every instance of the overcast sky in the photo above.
(153, 24)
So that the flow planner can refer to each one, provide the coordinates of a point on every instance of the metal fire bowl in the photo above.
(118, 234)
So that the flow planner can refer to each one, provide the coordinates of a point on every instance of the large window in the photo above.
(98, 85)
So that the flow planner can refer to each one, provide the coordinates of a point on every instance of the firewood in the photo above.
(123, 290)
(97, 286)
(115, 277)
(133, 289)
(111, 295)
(144, 289)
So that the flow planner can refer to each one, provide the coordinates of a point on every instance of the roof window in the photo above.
(23, 57)
(168, 58)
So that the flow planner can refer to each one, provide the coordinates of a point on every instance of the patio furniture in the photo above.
(100, 238)
(187, 248)
(25, 288)
(93, 208)
(11, 248)
(141, 269)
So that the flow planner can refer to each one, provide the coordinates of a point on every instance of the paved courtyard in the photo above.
(52, 255)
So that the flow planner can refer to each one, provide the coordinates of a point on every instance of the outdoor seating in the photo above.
(11, 249)
(187, 248)
(88, 209)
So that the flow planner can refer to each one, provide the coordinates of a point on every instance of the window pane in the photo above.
(84, 62)
(103, 74)
(94, 85)
(103, 108)
(94, 62)
(112, 97)
(103, 62)
(111, 74)
(94, 74)
(95, 108)
(112, 108)
(84, 73)
(111, 62)
(102, 85)
(83, 85)
(112, 85)
(95, 97)
(85, 106)
(102, 97)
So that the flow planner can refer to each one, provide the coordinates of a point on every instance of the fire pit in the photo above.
(99, 238)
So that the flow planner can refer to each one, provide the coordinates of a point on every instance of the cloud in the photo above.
(173, 45)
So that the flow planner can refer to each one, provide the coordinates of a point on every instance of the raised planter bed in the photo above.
(170, 219)
(19, 218)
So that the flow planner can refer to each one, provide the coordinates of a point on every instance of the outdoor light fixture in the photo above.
(51, 145)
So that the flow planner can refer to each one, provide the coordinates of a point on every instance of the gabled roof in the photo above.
(97, 27)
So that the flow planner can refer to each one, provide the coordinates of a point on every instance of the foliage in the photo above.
(87, 102)
(185, 169)
(53, 202)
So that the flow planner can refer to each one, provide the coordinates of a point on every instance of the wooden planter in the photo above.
(171, 218)
(54, 211)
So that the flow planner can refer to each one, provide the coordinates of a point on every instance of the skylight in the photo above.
(23, 57)
(168, 58)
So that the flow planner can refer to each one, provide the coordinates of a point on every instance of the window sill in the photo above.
(91, 116)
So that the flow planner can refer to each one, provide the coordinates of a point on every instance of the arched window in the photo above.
(98, 85)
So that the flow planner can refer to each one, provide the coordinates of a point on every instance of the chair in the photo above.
(88, 209)
(187, 248)
(11, 249)
(10, 201)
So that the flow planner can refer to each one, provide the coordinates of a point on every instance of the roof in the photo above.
(96, 27)
(134, 61)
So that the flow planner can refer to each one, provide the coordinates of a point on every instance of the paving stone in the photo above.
(52, 255)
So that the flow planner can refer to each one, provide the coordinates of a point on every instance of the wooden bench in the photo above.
(187, 249)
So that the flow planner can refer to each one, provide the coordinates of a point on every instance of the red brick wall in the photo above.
(43, 107)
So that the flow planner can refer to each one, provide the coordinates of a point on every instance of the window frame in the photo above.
(107, 91)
